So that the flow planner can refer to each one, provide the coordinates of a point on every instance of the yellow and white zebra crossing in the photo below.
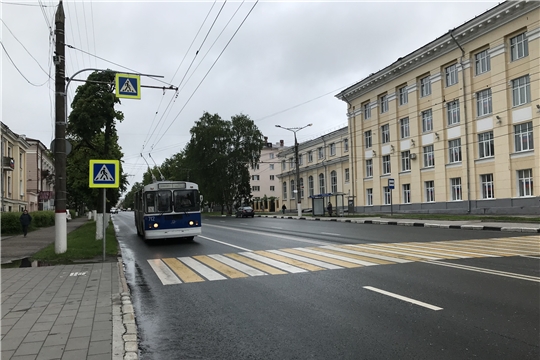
(331, 257)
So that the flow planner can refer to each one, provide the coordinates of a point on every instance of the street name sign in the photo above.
(128, 86)
(104, 173)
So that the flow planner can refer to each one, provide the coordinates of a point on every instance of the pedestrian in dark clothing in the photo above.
(283, 208)
(329, 208)
(26, 219)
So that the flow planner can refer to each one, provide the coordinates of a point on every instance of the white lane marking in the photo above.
(274, 263)
(530, 257)
(276, 227)
(495, 248)
(243, 224)
(384, 248)
(202, 269)
(404, 298)
(238, 265)
(375, 256)
(307, 260)
(224, 243)
(485, 271)
(333, 234)
(286, 237)
(338, 257)
(163, 272)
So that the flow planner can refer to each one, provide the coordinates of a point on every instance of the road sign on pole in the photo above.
(128, 86)
(391, 184)
(104, 174)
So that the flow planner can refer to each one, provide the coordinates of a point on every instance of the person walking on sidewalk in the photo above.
(26, 219)
(329, 208)
(283, 208)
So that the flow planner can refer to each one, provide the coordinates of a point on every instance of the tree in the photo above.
(129, 199)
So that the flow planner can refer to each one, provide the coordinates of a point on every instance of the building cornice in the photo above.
(471, 30)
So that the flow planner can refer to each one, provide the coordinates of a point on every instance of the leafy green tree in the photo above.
(129, 201)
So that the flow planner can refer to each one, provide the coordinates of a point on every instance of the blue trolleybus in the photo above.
(168, 209)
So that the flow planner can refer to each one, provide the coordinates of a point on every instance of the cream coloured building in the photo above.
(324, 171)
(456, 123)
(13, 149)
(264, 181)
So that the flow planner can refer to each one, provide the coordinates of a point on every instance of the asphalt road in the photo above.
(290, 289)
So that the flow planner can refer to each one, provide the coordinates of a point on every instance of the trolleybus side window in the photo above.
(150, 202)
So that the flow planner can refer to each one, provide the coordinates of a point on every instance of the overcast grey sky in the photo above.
(285, 54)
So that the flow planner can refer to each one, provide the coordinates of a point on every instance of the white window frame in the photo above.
(523, 137)
(271, 166)
(310, 156)
(521, 91)
(271, 155)
(332, 149)
(256, 188)
(454, 151)
(519, 47)
(406, 160)
(291, 163)
(452, 112)
(405, 131)
(272, 177)
(367, 139)
(455, 189)
(525, 183)
(427, 121)
(486, 186)
(386, 165)
(429, 187)
(425, 86)
(293, 187)
(320, 153)
(255, 177)
(406, 190)
(385, 133)
(403, 95)
(301, 188)
(387, 196)
(300, 159)
(383, 101)
(284, 189)
(486, 145)
(333, 181)
(367, 110)
(429, 156)
(369, 168)
(347, 175)
(322, 188)
(345, 145)
(482, 62)
(451, 75)
(311, 188)
(283, 165)
(272, 188)
(484, 105)
(369, 197)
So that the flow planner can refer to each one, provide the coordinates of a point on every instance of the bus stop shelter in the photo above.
(318, 203)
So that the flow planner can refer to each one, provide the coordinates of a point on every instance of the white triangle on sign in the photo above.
(104, 175)
(128, 87)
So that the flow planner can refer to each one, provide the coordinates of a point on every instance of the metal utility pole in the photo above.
(60, 244)
(298, 193)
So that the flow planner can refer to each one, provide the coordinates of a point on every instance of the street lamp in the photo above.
(295, 130)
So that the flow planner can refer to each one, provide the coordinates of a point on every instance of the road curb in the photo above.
(415, 224)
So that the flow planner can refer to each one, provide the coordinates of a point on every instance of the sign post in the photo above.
(391, 187)
(104, 174)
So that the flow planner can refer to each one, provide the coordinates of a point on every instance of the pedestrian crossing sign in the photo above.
(128, 86)
(104, 173)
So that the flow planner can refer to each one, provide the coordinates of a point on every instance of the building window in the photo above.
(271, 155)
(301, 187)
(284, 190)
(369, 197)
(272, 188)
(430, 191)
(256, 188)
(451, 73)
(321, 184)
(300, 159)
(523, 136)
(333, 181)
(427, 121)
(483, 103)
(293, 193)
(454, 151)
(271, 166)
(272, 177)
(291, 163)
(385, 133)
(367, 111)
(452, 111)
(405, 160)
(256, 167)
(425, 86)
(283, 165)
(404, 128)
(403, 95)
(519, 47)
(345, 145)
(321, 153)
(386, 164)
(369, 168)
(525, 182)
(387, 195)
(486, 146)
(347, 176)
(482, 62)
(384, 103)
(521, 91)
(255, 177)
(310, 156)
(429, 158)
(310, 186)
(486, 182)
(455, 188)
(367, 139)
(406, 193)
(332, 149)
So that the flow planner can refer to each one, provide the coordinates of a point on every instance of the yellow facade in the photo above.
(480, 84)
(13, 181)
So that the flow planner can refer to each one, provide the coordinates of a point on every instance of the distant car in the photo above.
(245, 211)
(114, 211)
(68, 215)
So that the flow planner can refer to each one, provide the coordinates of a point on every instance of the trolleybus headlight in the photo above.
(156, 225)
(191, 223)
